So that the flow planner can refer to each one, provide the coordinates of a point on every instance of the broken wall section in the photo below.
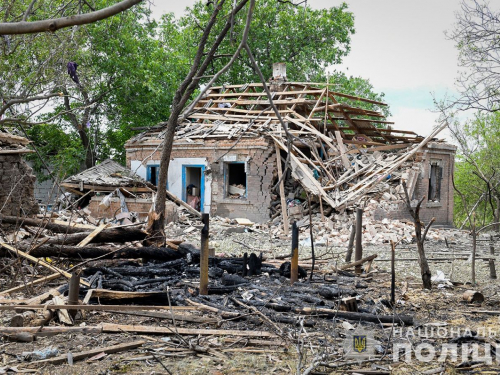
(434, 181)
(17, 186)
(252, 159)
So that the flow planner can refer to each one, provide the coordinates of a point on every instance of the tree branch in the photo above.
(10, 28)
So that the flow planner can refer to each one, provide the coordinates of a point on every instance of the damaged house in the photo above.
(230, 151)
(111, 191)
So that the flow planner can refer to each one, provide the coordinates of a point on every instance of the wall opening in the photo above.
(152, 174)
(435, 177)
(193, 186)
(236, 180)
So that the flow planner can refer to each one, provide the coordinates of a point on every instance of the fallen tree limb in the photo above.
(41, 262)
(328, 313)
(42, 223)
(358, 262)
(122, 234)
(157, 253)
(74, 235)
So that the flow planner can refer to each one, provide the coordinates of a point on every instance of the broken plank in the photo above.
(49, 330)
(89, 353)
(117, 328)
(62, 314)
(282, 189)
(176, 317)
(91, 236)
(307, 172)
(32, 283)
(183, 204)
(342, 149)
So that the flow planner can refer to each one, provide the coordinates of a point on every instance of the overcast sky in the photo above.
(400, 46)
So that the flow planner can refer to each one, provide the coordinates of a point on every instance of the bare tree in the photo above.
(419, 225)
(185, 90)
(476, 36)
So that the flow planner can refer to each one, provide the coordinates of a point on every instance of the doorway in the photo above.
(193, 185)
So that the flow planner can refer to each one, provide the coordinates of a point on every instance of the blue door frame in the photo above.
(148, 172)
(202, 183)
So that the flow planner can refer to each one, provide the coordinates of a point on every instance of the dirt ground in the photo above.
(441, 313)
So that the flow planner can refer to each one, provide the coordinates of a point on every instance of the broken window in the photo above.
(152, 174)
(435, 175)
(236, 180)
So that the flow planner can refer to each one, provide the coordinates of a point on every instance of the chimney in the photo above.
(279, 71)
(279, 77)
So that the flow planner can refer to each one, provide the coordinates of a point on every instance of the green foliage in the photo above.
(479, 154)
(62, 151)
(308, 40)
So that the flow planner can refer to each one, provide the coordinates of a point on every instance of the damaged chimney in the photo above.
(279, 76)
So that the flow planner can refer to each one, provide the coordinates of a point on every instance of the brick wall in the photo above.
(257, 153)
(442, 210)
(16, 186)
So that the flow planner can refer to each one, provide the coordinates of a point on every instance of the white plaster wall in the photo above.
(138, 168)
(174, 183)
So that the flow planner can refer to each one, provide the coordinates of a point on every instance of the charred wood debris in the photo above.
(59, 276)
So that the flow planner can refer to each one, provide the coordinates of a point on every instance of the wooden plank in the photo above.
(73, 224)
(89, 353)
(263, 93)
(282, 189)
(41, 262)
(342, 149)
(381, 148)
(107, 188)
(91, 236)
(49, 330)
(62, 314)
(118, 328)
(177, 317)
(315, 131)
(358, 98)
(183, 204)
(307, 172)
(383, 172)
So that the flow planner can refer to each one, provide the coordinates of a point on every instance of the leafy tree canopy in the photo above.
(129, 67)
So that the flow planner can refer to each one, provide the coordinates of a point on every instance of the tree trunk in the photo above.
(496, 214)
(182, 95)
(89, 155)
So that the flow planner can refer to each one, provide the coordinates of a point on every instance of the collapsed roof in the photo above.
(106, 176)
(336, 144)
(13, 144)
